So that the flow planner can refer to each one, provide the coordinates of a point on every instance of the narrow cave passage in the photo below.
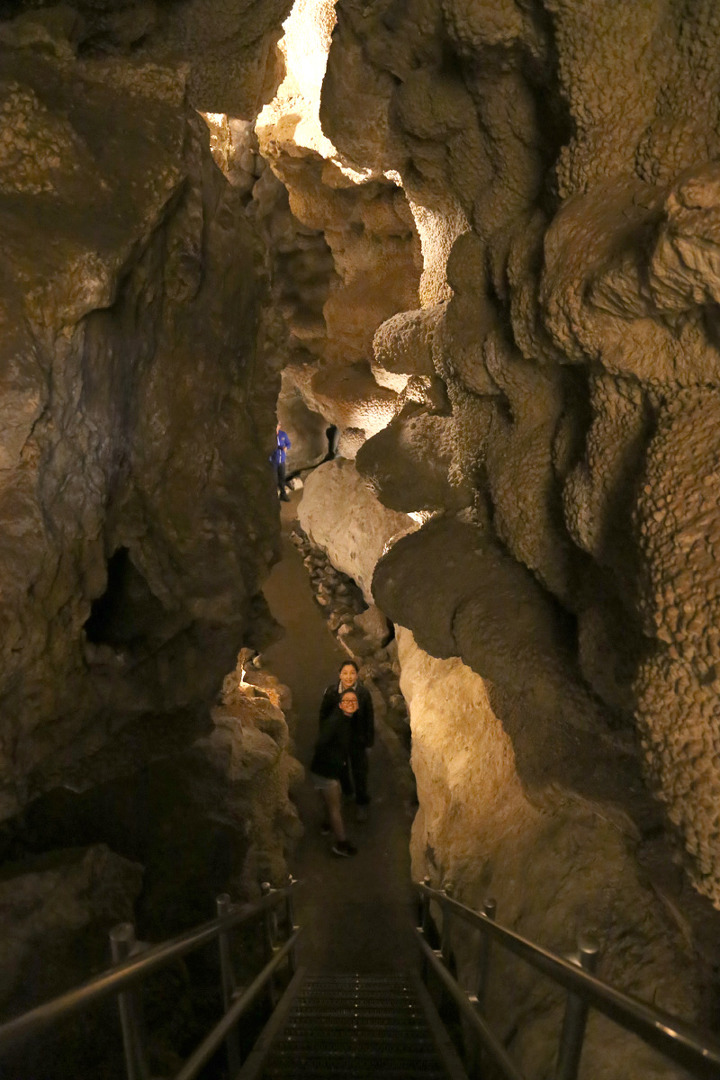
(356, 913)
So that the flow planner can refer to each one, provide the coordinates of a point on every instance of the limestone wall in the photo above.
(137, 506)
(489, 233)
(556, 870)
(138, 514)
(553, 427)
(577, 348)
(524, 796)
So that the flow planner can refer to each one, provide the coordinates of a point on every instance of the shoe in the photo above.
(284, 497)
(344, 848)
(361, 813)
(325, 829)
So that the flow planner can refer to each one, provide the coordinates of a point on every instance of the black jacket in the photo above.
(363, 722)
(332, 746)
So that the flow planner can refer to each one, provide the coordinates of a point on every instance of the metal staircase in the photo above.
(386, 1027)
(354, 1027)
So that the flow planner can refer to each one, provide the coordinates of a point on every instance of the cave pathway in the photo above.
(356, 913)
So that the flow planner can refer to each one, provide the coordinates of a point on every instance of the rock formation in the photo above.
(482, 241)
(138, 508)
(139, 386)
(553, 432)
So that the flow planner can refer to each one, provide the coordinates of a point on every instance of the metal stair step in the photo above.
(347, 1008)
(354, 1028)
(276, 1069)
(349, 1054)
(387, 1045)
(349, 1023)
(306, 1070)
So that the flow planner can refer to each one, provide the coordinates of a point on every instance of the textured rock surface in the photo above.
(555, 871)
(342, 516)
(249, 747)
(576, 326)
(555, 402)
(135, 487)
(48, 902)
(677, 684)
(203, 807)
(191, 814)
(57, 913)
(368, 264)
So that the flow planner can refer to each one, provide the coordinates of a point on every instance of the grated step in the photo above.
(356, 1045)
(354, 1028)
(277, 1069)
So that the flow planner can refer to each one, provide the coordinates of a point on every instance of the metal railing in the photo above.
(135, 961)
(682, 1043)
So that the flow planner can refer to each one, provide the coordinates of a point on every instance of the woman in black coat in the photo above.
(328, 762)
(354, 778)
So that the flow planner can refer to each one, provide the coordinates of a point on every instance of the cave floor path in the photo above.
(356, 913)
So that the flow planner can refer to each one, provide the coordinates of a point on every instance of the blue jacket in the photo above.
(283, 443)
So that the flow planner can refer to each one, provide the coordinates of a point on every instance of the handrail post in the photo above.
(474, 1053)
(425, 924)
(445, 933)
(290, 920)
(576, 1011)
(224, 907)
(269, 941)
(425, 911)
(489, 909)
(122, 945)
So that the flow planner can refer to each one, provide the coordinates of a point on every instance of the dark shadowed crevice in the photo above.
(127, 610)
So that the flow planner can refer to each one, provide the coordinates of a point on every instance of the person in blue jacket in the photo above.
(278, 461)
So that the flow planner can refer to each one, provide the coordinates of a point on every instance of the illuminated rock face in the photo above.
(494, 269)
(341, 515)
(577, 344)
(137, 506)
(554, 867)
(555, 404)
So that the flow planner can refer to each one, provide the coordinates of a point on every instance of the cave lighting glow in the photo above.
(294, 113)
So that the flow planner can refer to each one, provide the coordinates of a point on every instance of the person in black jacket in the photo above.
(328, 762)
(362, 736)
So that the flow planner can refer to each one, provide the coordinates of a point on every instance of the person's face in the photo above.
(348, 675)
(349, 704)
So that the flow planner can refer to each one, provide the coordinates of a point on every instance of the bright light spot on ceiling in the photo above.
(294, 114)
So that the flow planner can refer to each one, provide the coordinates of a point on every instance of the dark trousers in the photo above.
(354, 778)
(280, 474)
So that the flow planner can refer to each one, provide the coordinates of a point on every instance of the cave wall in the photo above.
(557, 869)
(553, 440)
(578, 348)
(138, 400)
(138, 511)
(484, 250)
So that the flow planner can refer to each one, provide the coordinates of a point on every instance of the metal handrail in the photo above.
(116, 979)
(683, 1043)
(211, 1043)
(478, 1025)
